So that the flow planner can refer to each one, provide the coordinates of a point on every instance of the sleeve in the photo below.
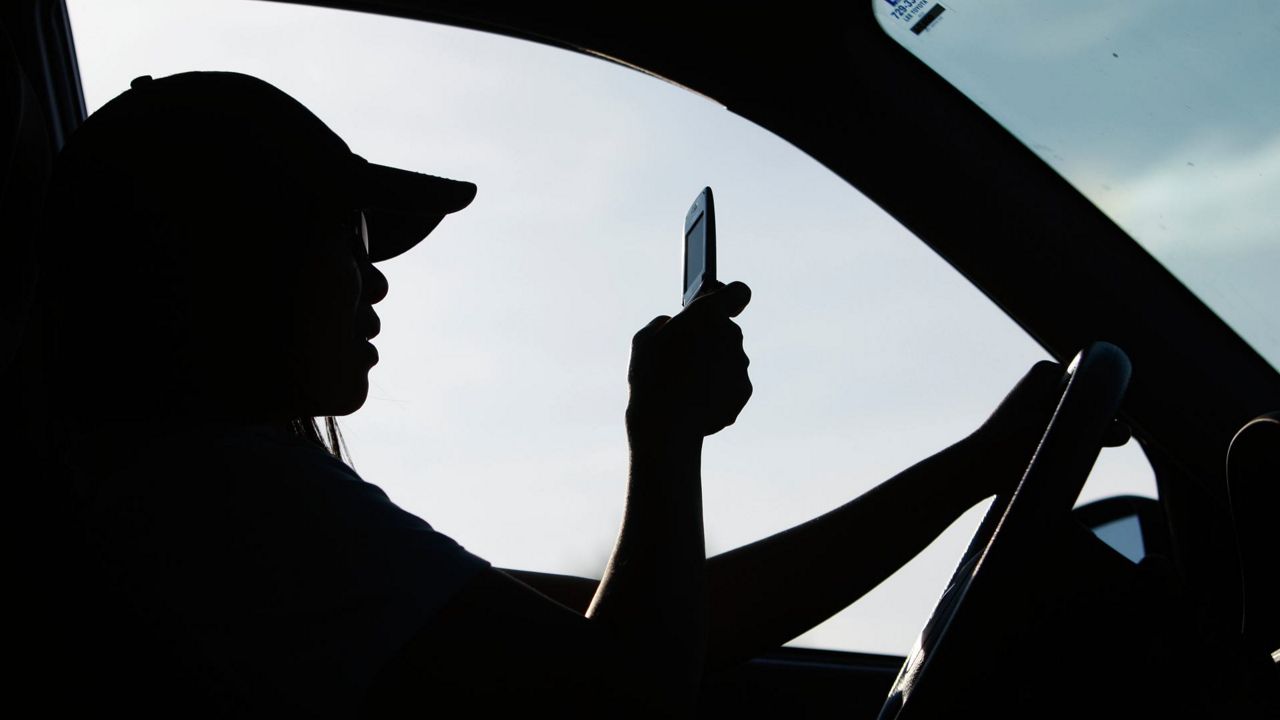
(293, 578)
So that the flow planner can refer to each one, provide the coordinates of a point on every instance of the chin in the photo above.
(341, 399)
(347, 405)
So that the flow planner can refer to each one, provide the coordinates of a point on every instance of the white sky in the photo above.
(496, 412)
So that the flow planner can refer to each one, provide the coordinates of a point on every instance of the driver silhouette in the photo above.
(209, 277)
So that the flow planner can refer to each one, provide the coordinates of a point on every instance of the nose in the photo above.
(375, 283)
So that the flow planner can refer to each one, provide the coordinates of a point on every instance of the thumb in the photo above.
(1117, 434)
(724, 301)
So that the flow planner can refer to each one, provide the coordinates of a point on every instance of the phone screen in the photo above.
(695, 248)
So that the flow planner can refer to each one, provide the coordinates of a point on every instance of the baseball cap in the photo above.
(244, 136)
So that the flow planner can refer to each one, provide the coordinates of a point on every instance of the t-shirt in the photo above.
(269, 568)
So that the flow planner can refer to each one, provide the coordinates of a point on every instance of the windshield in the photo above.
(496, 410)
(1165, 115)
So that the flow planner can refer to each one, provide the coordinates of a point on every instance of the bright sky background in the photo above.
(496, 412)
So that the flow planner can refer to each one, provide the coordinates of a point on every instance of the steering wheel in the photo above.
(1007, 539)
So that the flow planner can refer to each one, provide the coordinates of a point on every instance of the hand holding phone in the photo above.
(689, 372)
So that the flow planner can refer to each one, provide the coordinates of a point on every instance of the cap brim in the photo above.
(403, 207)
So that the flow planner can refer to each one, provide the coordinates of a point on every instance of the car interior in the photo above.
(1042, 617)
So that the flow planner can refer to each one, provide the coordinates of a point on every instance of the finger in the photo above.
(726, 301)
(1044, 373)
(732, 399)
(734, 298)
(646, 332)
(1040, 387)
(1117, 434)
(726, 331)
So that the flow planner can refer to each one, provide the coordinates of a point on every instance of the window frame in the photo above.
(1221, 382)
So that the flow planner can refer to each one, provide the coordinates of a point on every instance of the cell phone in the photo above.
(699, 247)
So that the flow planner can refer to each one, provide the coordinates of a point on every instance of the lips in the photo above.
(372, 326)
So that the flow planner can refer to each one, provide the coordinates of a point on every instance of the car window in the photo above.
(496, 410)
(1153, 110)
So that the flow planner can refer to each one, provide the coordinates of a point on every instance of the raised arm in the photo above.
(770, 591)
(781, 586)
(766, 593)
(639, 649)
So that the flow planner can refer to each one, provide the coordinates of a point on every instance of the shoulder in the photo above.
(220, 475)
(254, 501)
(279, 484)
(240, 470)
(271, 465)
(278, 563)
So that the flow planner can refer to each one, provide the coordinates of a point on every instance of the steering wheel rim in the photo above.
(1093, 387)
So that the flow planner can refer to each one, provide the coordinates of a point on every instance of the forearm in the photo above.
(652, 597)
(766, 593)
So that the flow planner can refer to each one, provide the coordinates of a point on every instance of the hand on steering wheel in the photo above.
(1081, 424)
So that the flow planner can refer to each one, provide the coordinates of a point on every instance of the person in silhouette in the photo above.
(209, 277)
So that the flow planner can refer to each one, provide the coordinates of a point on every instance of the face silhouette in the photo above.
(335, 290)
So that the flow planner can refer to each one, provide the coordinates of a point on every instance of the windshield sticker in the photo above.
(919, 15)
